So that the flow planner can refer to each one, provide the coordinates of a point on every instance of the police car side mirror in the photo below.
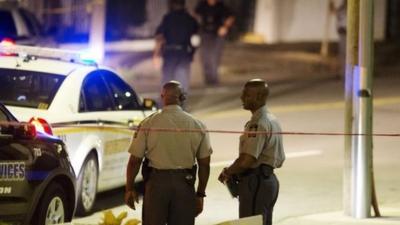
(149, 104)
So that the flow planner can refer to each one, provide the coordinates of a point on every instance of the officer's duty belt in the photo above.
(170, 170)
(263, 169)
(174, 47)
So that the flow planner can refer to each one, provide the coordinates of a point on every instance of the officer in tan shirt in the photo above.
(260, 152)
(170, 196)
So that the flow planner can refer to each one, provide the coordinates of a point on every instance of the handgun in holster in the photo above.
(233, 186)
(146, 170)
(190, 176)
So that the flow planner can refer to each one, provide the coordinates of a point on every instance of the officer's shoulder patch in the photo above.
(252, 129)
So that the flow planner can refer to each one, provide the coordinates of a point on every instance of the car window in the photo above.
(28, 88)
(123, 95)
(95, 94)
(3, 115)
(7, 25)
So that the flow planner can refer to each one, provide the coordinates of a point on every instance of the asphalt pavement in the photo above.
(287, 68)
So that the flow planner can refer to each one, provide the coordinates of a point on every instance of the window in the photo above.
(3, 116)
(7, 26)
(28, 88)
(95, 94)
(123, 95)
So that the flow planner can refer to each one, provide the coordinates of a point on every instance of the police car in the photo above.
(86, 105)
(37, 182)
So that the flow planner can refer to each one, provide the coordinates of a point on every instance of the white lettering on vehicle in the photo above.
(5, 190)
(37, 152)
(12, 171)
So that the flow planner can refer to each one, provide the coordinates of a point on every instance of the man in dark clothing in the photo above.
(173, 43)
(216, 19)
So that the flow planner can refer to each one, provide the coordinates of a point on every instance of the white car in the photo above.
(19, 25)
(89, 107)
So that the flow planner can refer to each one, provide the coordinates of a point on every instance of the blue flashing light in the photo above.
(88, 57)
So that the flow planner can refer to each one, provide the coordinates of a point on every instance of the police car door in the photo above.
(94, 106)
(15, 155)
(126, 115)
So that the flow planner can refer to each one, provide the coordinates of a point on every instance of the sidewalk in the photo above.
(240, 62)
(392, 217)
(277, 63)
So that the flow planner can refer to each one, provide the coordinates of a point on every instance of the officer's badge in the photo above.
(252, 130)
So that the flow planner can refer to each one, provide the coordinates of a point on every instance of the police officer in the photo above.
(170, 196)
(260, 152)
(341, 13)
(173, 44)
(215, 21)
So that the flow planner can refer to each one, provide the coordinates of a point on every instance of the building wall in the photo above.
(305, 20)
(393, 23)
(277, 20)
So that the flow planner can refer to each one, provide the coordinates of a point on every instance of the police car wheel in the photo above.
(53, 208)
(87, 186)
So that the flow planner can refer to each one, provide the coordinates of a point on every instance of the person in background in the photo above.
(173, 44)
(215, 21)
(340, 12)
(170, 196)
(260, 152)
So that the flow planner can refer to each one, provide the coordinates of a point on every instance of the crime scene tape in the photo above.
(63, 10)
(178, 130)
(88, 7)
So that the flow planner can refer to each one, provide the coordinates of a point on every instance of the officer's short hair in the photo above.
(259, 83)
(172, 91)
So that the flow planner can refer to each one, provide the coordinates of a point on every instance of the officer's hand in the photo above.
(157, 61)
(199, 205)
(222, 31)
(130, 198)
(223, 176)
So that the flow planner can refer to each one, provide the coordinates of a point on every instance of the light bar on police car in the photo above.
(50, 53)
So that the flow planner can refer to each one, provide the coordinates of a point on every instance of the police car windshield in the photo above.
(28, 88)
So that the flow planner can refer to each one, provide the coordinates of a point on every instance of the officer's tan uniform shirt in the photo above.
(171, 150)
(266, 148)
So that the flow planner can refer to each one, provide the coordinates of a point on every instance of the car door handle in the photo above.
(100, 123)
(130, 123)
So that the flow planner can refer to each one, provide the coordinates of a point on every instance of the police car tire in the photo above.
(81, 210)
(53, 191)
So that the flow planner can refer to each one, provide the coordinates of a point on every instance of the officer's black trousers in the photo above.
(257, 196)
(169, 199)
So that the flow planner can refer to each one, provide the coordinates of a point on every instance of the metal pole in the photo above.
(363, 150)
(351, 60)
(97, 29)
